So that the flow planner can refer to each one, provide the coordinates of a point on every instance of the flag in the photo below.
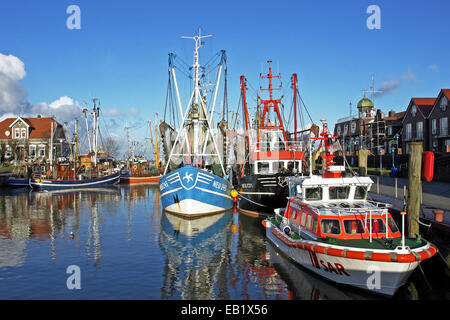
(319, 150)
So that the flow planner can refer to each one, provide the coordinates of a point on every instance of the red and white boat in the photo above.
(135, 179)
(330, 228)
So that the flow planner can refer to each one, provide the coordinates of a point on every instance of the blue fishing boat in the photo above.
(18, 182)
(107, 180)
(194, 192)
(195, 181)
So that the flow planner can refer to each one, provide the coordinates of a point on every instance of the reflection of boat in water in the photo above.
(190, 227)
(96, 190)
(196, 255)
(305, 285)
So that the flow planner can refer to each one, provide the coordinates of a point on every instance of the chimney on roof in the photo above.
(391, 113)
(38, 115)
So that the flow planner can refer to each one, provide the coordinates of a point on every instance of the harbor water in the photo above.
(120, 245)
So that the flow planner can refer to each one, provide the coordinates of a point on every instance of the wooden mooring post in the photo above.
(414, 187)
(362, 161)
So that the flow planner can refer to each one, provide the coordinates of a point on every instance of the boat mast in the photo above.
(85, 111)
(51, 146)
(294, 86)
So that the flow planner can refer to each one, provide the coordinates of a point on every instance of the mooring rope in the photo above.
(259, 204)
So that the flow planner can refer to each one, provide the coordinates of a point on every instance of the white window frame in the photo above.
(443, 104)
(419, 130)
(16, 133)
(408, 131)
(443, 129)
(33, 148)
(23, 133)
(41, 147)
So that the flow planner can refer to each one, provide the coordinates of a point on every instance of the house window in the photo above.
(433, 126)
(41, 151)
(32, 151)
(8, 152)
(17, 133)
(23, 133)
(419, 130)
(443, 126)
(413, 110)
(390, 131)
(408, 131)
(444, 102)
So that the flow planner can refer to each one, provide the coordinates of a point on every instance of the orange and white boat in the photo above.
(330, 228)
(134, 179)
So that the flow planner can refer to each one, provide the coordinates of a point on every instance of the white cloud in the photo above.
(433, 67)
(12, 67)
(62, 101)
(390, 86)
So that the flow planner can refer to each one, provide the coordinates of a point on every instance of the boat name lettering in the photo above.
(163, 185)
(337, 268)
(247, 186)
(219, 185)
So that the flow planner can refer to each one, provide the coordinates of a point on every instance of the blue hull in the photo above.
(192, 192)
(18, 182)
(75, 184)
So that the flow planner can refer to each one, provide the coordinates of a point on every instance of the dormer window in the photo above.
(444, 102)
(353, 126)
(413, 110)
(23, 133)
(17, 133)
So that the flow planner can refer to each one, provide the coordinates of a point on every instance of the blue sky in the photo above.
(120, 53)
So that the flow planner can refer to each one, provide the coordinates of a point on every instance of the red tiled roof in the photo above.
(425, 105)
(446, 92)
(40, 127)
(424, 101)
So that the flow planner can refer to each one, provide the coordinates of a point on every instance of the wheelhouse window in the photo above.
(392, 225)
(312, 194)
(338, 193)
(314, 225)
(263, 167)
(308, 222)
(303, 220)
(278, 166)
(360, 193)
(330, 226)
(378, 226)
(353, 226)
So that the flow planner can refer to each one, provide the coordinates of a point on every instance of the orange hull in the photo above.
(139, 179)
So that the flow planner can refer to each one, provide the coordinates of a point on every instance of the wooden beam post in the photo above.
(362, 161)
(414, 187)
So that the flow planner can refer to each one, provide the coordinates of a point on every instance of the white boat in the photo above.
(330, 228)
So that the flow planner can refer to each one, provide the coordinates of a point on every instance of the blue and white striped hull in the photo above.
(76, 184)
(193, 192)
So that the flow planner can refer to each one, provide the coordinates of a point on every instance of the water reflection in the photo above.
(196, 256)
(128, 249)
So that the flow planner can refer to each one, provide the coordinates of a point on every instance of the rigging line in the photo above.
(305, 107)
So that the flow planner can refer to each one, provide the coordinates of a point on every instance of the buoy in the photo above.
(234, 194)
